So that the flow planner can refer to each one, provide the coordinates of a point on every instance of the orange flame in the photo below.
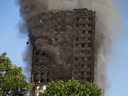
(43, 47)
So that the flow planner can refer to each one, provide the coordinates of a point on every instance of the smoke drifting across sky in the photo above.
(108, 26)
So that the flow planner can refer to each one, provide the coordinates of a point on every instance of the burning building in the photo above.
(64, 47)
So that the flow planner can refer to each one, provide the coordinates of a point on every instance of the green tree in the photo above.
(12, 81)
(72, 88)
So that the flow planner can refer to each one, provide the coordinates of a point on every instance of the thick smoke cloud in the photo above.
(108, 26)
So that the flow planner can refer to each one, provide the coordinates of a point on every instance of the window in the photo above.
(89, 18)
(89, 66)
(55, 45)
(88, 52)
(83, 32)
(77, 25)
(83, 45)
(56, 39)
(42, 80)
(42, 73)
(36, 74)
(77, 19)
(37, 53)
(76, 59)
(48, 74)
(77, 39)
(83, 25)
(48, 79)
(75, 73)
(35, 81)
(82, 59)
(75, 66)
(77, 32)
(36, 60)
(42, 66)
(76, 45)
(88, 73)
(43, 53)
(89, 38)
(82, 38)
(82, 66)
(89, 45)
(82, 73)
(88, 79)
(89, 58)
(90, 31)
(76, 52)
(82, 52)
(83, 19)
(89, 25)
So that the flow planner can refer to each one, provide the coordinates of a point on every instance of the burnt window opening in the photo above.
(83, 25)
(82, 66)
(75, 66)
(35, 81)
(88, 79)
(89, 38)
(89, 25)
(77, 32)
(37, 53)
(48, 74)
(88, 52)
(88, 73)
(36, 74)
(90, 31)
(83, 32)
(77, 25)
(82, 59)
(42, 80)
(42, 73)
(75, 73)
(77, 39)
(83, 19)
(82, 52)
(82, 39)
(77, 19)
(83, 45)
(36, 60)
(89, 58)
(89, 45)
(89, 66)
(76, 45)
(89, 18)
(55, 45)
(42, 66)
(48, 80)
(82, 73)
(76, 59)
(43, 53)
(76, 52)
(56, 39)
(50, 40)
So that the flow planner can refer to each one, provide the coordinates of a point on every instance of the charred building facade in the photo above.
(64, 49)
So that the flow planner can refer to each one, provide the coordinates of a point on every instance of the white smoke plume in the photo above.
(108, 25)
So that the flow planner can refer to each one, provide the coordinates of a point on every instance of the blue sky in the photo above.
(14, 45)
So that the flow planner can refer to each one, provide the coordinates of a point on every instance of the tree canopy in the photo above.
(12, 81)
(72, 88)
